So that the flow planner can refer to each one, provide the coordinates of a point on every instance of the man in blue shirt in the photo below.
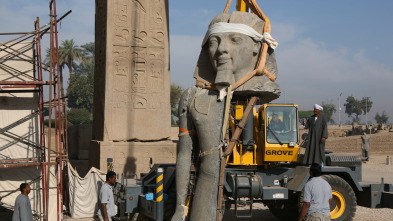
(317, 197)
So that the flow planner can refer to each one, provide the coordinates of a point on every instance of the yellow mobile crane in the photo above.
(263, 165)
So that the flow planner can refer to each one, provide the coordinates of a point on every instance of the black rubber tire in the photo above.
(340, 186)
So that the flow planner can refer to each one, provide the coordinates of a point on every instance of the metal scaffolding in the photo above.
(48, 83)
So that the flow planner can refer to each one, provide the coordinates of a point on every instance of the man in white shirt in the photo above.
(317, 197)
(107, 202)
(22, 209)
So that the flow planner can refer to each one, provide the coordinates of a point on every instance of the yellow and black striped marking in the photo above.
(160, 185)
(109, 165)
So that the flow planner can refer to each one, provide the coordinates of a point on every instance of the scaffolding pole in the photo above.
(49, 155)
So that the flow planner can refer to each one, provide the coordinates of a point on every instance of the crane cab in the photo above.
(278, 132)
(273, 136)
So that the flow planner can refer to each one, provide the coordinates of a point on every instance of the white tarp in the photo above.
(84, 192)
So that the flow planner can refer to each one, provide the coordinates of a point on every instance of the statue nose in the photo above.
(223, 47)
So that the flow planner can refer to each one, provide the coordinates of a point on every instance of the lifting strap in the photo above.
(228, 151)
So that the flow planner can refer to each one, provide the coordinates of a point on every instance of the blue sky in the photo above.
(326, 47)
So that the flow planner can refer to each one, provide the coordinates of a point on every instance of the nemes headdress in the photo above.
(262, 84)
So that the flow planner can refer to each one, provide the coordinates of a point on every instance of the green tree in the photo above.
(353, 107)
(81, 86)
(328, 110)
(89, 50)
(357, 107)
(366, 104)
(70, 52)
(176, 92)
(61, 62)
(381, 119)
(78, 116)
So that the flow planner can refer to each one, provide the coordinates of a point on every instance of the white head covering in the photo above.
(223, 27)
(318, 107)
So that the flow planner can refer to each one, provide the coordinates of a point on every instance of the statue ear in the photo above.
(256, 48)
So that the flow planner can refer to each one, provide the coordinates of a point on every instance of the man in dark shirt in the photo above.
(276, 124)
(317, 135)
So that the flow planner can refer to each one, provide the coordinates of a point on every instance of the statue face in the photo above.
(232, 56)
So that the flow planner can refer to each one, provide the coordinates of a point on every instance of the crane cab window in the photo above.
(281, 124)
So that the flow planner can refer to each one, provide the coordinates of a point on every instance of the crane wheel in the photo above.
(344, 199)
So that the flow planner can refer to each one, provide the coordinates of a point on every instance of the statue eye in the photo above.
(236, 39)
(213, 41)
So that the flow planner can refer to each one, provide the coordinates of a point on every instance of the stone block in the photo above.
(131, 157)
(132, 81)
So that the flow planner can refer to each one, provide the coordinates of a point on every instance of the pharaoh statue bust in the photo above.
(230, 51)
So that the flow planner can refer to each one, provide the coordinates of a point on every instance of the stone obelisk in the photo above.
(132, 85)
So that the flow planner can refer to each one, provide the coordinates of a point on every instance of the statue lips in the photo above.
(223, 60)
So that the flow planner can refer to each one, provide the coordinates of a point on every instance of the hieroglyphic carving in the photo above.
(134, 101)
(156, 53)
(140, 5)
(140, 12)
(138, 82)
(122, 11)
(156, 75)
(121, 74)
(139, 39)
(139, 102)
(121, 51)
(139, 36)
(157, 39)
(156, 16)
(121, 35)
(132, 70)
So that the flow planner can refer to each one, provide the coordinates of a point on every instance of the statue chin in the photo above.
(224, 78)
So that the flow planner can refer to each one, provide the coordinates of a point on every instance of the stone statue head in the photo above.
(230, 52)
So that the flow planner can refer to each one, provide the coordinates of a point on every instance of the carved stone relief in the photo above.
(136, 67)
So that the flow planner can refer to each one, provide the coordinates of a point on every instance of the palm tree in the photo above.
(61, 65)
(68, 52)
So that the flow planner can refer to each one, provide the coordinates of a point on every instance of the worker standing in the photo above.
(317, 197)
(22, 210)
(365, 146)
(317, 135)
(107, 201)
